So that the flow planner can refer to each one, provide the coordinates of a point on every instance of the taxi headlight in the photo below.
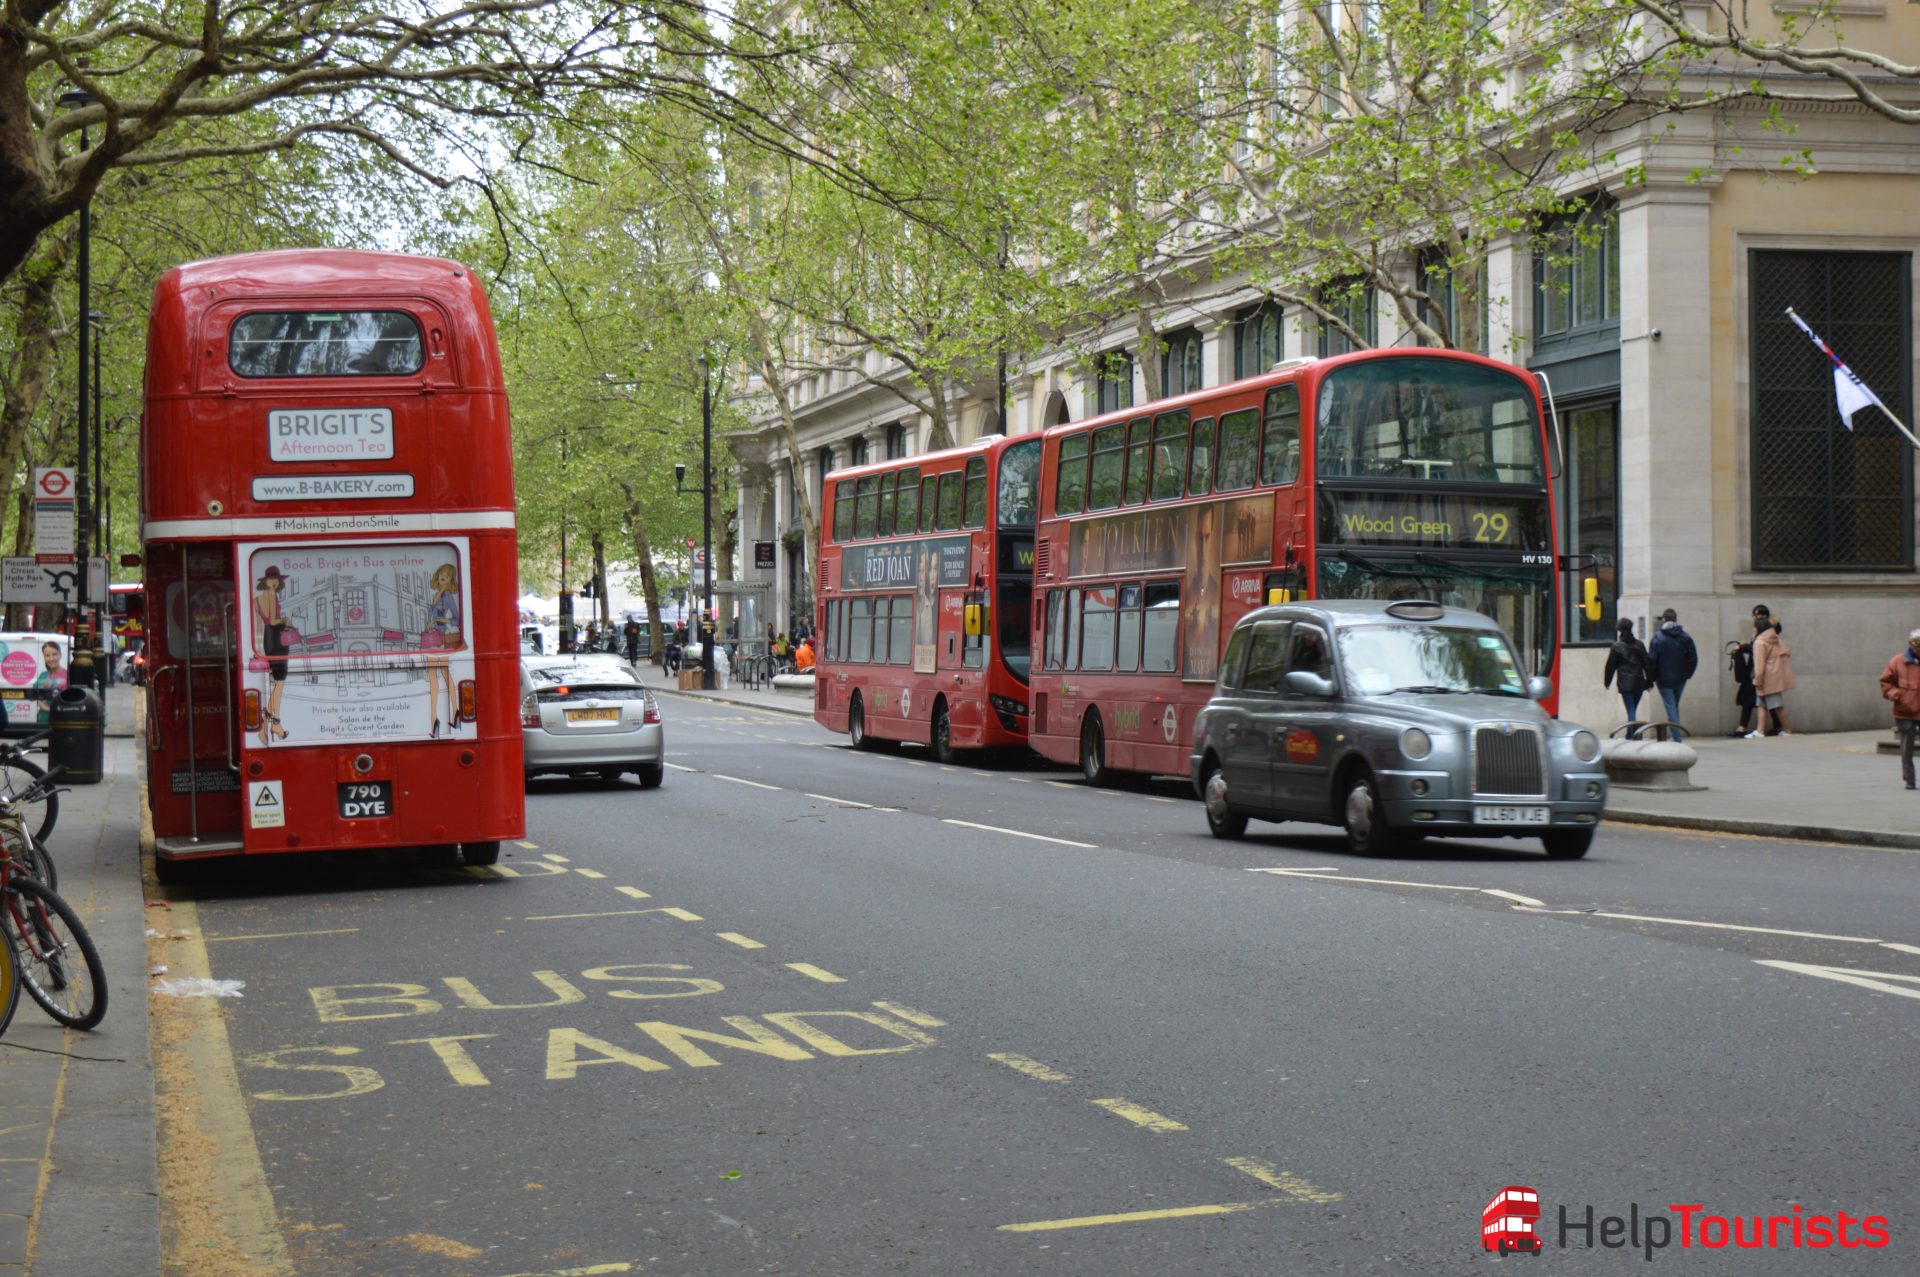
(1415, 744)
(1586, 746)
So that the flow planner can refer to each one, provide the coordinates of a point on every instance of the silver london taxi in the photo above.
(589, 716)
(1392, 719)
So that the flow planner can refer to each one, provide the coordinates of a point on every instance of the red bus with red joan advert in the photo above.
(1507, 1223)
(926, 581)
(1385, 474)
(331, 567)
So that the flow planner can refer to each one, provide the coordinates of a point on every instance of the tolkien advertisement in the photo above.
(1200, 539)
(924, 565)
(355, 642)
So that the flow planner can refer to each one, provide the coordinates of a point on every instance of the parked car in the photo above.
(589, 717)
(1391, 719)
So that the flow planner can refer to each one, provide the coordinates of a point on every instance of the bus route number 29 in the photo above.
(1493, 527)
(366, 800)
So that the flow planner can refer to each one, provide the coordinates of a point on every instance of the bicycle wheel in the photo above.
(29, 857)
(9, 980)
(19, 775)
(58, 964)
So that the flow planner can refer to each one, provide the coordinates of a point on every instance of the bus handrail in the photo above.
(226, 688)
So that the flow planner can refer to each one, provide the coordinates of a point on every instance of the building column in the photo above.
(1216, 350)
(781, 516)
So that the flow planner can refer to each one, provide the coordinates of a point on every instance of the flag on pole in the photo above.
(1849, 391)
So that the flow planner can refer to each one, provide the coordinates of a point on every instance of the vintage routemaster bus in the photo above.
(1383, 474)
(1507, 1222)
(327, 506)
(926, 578)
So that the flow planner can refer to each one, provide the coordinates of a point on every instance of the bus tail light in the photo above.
(652, 714)
(529, 711)
(468, 695)
(252, 710)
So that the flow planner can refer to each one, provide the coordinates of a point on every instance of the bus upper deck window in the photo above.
(332, 343)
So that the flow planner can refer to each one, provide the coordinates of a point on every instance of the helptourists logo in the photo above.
(1511, 1223)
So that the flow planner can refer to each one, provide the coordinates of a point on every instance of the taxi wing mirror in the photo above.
(1307, 683)
(1538, 688)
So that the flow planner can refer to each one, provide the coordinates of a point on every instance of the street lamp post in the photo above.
(89, 619)
(711, 622)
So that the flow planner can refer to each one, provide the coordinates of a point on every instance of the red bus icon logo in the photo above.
(1506, 1225)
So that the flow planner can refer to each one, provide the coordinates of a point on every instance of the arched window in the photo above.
(859, 457)
(1576, 271)
(1180, 366)
(1114, 388)
(1257, 344)
(896, 441)
(1352, 301)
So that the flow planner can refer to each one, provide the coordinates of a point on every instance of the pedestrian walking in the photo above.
(1628, 660)
(632, 629)
(1772, 673)
(1740, 662)
(1900, 683)
(1674, 661)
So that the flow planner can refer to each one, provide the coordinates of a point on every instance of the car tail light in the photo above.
(469, 693)
(252, 710)
(529, 711)
(653, 710)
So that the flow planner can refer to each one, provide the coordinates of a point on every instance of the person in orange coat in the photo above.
(1772, 673)
(1900, 683)
(803, 657)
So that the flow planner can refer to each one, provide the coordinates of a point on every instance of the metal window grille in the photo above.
(1825, 496)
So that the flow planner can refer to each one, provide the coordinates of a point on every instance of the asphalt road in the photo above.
(803, 1010)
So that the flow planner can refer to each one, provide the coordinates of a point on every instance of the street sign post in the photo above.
(53, 511)
(30, 580)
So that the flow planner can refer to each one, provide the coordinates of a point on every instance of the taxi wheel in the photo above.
(1222, 819)
(943, 734)
(1365, 818)
(481, 853)
(1093, 752)
(1567, 844)
(651, 774)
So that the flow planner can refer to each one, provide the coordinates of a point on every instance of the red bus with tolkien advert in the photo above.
(327, 496)
(926, 579)
(1385, 474)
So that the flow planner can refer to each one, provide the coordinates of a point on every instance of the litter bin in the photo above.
(77, 739)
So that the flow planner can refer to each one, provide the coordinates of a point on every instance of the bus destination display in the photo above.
(1433, 521)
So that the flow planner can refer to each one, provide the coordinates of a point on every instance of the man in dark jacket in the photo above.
(1900, 683)
(1628, 660)
(1674, 661)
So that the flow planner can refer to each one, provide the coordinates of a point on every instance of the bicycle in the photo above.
(56, 958)
(14, 764)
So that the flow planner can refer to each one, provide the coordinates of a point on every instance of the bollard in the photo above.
(77, 740)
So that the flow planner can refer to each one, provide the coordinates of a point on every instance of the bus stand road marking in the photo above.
(530, 846)
(1032, 1068)
(591, 1270)
(286, 935)
(1131, 1217)
(589, 873)
(1142, 1117)
(911, 1016)
(815, 973)
(558, 860)
(1020, 833)
(1285, 1183)
(734, 937)
(635, 892)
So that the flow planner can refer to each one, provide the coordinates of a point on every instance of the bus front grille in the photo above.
(1507, 761)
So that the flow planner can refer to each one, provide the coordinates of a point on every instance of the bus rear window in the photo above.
(330, 343)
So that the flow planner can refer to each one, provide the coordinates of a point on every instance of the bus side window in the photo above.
(907, 515)
(1239, 450)
(949, 517)
(900, 652)
(1200, 473)
(1280, 453)
(886, 505)
(976, 500)
(1072, 641)
(860, 631)
(1127, 658)
(1096, 629)
(831, 648)
(867, 513)
(1070, 488)
(1160, 644)
(843, 510)
(929, 501)
(1055, 598)
(1103, 475)
(1139, 450)
(1169, 455)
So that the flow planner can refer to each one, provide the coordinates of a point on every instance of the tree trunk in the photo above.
(649, 584)
(22, 546)
(36, 333)
(940, 434)
(1148, 356)
(600, 580)
(790, 432)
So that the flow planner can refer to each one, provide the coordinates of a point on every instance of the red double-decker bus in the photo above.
(1506, 1225)
(1383, 474)
(331, 569)
(926, 580)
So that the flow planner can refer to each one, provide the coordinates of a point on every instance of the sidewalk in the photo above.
(798, 703)
(78, 1191)
(1831, 787)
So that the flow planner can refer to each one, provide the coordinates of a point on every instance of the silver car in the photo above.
(589, 718)
(1393, 720)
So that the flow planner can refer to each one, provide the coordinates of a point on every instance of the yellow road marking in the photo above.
(734, 937)
(1285, 1183)
(911, 1016)
(530, 846)
(591, 1270)
(635, 892)
(1032, 1068)
(673, 911)
(286, 935)
(808, 969)
(558, 860)
(1145, 1118)
(1130, 1217)
(589, 873)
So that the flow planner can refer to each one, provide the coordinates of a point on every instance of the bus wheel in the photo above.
(1093, 752)
(857, 724)
(942, 734)
(481, 853)
(1365, 818)
(1222, 819)
(1567, 844)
